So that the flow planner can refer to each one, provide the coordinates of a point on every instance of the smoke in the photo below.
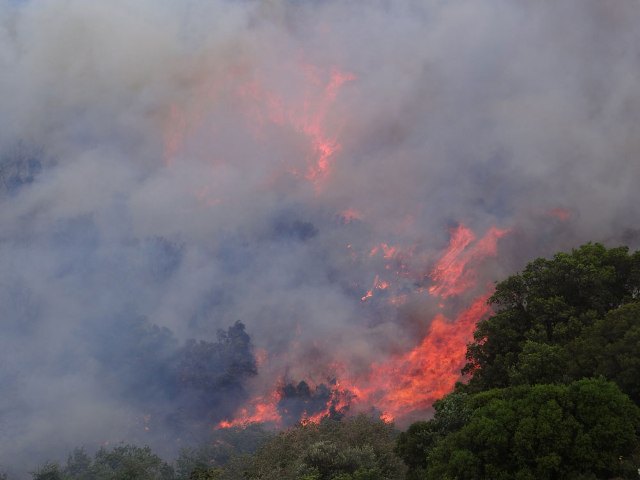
(169, 168)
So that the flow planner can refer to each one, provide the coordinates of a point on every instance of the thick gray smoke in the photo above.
(169, 168)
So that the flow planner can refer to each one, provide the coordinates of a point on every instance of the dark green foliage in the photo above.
(611, 348)
(222, 449)
(231, 356)
(451, 413)
(184, 388)
(549, 304)
(356, 448)
(124, 462)
(128, 462)
(79, 465)
(541, 402)
(583, 430)
(414, 444)
(206, 474)
(49, 471)
(554, 375)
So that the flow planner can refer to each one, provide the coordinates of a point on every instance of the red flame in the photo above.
(261, 409)
(411, 381)
(414, 380)
(263, 104)
(452, 275)
(401, 383)
(378, 284)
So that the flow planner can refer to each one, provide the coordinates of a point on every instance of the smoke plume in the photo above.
(346, 179)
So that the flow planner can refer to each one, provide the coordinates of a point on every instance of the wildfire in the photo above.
(261, 409)
(264, 105)
(378, 284)
(452, 274)
(403, 382)
(388, 252)
(413, 381)
(410, 381)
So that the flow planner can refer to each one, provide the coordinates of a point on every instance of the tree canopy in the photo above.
(553, 379)
(586, 429)
(541, 312)
(552, 392)
(124, 462)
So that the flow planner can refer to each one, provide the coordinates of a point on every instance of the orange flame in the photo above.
(261, 105)
(260, 410)
(411, 381)
(452, 275)
(414, 380)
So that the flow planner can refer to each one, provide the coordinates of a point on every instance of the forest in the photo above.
(550, 390)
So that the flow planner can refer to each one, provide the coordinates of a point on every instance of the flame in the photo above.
(266, 105)
(261, 409)
(308, 116)
(451, 274)
(388, 251)
(414, 380)
(312, 124)
(410, 381)
(378, 284)
(338, 403)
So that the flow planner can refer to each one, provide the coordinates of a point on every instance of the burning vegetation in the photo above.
(228, 215)
(408, 382)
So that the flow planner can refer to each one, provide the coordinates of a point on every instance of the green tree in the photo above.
(206, 474)
(49, 471)
(128, 462)
(550, 303)
(611, 348)
(124, 462)
(79, 465)
(583, 430)
(225, 448)
(414, 445)
(532, 407)
(354, 448)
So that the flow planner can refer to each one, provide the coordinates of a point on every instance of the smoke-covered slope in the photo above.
(345, 178)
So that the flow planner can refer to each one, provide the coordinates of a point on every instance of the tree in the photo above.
(206, 474)
(223, 452)
(356, 448)
(550, 303)
(414, 445)
(49, 471)
(124, 462)
(127, 462)
(532, 407)
(611, 348)
(79, 465)
(583, 430)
